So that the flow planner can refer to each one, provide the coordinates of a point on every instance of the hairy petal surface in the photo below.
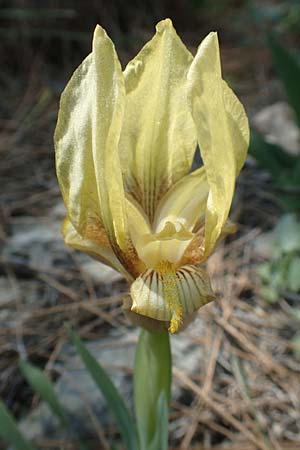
(158, 139)
(223, 135)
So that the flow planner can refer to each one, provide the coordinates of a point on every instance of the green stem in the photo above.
(152, 386)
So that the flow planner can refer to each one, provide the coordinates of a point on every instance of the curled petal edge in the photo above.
(167, 295)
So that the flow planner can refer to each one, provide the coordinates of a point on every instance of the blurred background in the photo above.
(237, 367)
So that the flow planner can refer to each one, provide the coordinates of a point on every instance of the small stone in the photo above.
(277, 124)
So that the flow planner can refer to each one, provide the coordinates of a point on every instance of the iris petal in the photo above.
(223, 135)
(158, 138)
(86, 139)
(151, 294)
(167, 245)
(96, 246)
(185, 202)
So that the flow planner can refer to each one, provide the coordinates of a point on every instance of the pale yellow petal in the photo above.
(137, 220)
(167, 245)
(184, 203)
(107, 120)
(194, 253)
(159, 138)
(238, 126)
(87, 138)
(222, 134)
(171, 296)
(73, 148)
(96, 246)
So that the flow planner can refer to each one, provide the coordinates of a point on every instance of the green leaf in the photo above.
(288, 70)
(110, 393)
(287, 233)
(290, 202)
(296, 346)
(295, 313)
(284, 168)
(152, 381)
(264, 270)
(269, 294)
(9, 431)
(43, 386)
(294, 274)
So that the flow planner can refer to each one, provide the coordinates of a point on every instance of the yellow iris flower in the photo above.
(125, 142)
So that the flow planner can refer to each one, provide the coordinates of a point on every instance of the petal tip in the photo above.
(211, 39)
(99, 31)
(164, 25)
(100, 35)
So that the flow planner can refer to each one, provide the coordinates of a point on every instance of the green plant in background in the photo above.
(281, 274)
(281, 16)
(284, 168)
(125, 143)
(25, 30)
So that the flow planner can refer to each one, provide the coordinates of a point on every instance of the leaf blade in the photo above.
(110, 393)
(42, 385)
(9, 431)
(288, 70)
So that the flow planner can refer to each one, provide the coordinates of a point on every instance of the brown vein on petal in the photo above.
(180, 288)
(147, 199)
(150, 288)
(196, 286)
(158, 283)
(195, 250)
(142, 285)
(189, 288)
(129, 258)
(94, 230)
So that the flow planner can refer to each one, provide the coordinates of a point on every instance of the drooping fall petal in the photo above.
(93, 245)
(158, 138)
(222, 129)
(168, 295)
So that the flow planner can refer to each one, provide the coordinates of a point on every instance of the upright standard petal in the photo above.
(184, 203)
(158, 139)
(73, 148)
(107, 119)
(87, 138)
(222, 129)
